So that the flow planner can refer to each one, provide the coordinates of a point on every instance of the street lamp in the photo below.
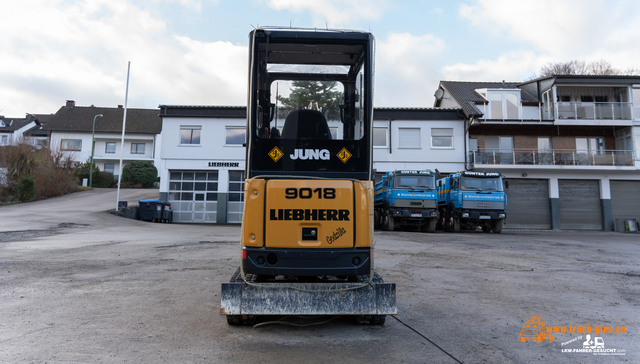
(93, 133)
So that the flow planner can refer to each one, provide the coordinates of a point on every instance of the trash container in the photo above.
(150, 210)
(619, 226)
(167, 213)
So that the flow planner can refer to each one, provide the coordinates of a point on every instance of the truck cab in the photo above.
(406, 198)
(470, 199)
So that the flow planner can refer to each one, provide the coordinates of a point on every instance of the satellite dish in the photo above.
(439, 93)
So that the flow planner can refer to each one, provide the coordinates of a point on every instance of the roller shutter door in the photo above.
(580, 206)
(193, 196)
(528, 204)
(624, 200)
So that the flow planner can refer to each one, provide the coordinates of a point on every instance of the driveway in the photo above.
(81, 285)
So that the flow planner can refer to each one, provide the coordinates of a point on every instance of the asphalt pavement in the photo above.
(81, 285)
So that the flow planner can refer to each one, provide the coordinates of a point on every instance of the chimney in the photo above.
(70, 104)
(119, 106)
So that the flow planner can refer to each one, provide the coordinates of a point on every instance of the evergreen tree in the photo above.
(305, 92)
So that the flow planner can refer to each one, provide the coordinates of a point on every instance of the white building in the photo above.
(12, 129)
(71, 130)
(203, 157)
(568, 145)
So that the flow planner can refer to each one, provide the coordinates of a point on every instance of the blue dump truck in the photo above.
(472, 199)
(406, 199)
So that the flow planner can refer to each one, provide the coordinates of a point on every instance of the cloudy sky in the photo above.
(194, 52)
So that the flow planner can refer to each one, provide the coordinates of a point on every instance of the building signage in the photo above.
(225, 164)
(481, 174)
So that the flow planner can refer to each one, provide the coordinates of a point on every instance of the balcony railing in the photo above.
(559, 157)
(595, 110)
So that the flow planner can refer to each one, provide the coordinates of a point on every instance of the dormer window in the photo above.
(503, 104)
(482, 92)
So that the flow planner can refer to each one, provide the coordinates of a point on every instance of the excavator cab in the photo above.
(307, 231)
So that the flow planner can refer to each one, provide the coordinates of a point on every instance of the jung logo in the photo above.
(305, 154)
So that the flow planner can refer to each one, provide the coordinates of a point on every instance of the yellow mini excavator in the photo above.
(307, 226)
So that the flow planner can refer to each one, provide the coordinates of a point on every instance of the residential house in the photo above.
(202, 166)
(71, 130)
(36, 135)
(568, 145)
(12, 129)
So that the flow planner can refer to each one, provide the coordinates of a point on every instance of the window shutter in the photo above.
(409, 137)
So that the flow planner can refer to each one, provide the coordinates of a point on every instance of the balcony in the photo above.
(595, 110)
(554, 157)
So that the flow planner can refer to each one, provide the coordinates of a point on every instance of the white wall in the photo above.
(531, 113)
(100, 157)
(80, 156)
(212, 149)
(101, 141)
(425, 157)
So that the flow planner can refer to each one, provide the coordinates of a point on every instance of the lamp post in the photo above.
(93, 133)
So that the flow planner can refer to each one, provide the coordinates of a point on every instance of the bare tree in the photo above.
(595, 68)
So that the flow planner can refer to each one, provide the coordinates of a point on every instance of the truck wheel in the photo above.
(376, 219)
(429, 226)
(486, 229)
(455, 225)
(496, 226)
(387, 224)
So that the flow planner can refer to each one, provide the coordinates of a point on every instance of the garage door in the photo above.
(193, 195)
(580, 206)
(528, 204)
(624, 200)
(236, 197)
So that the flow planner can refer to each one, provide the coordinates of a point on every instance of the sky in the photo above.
(194, 52)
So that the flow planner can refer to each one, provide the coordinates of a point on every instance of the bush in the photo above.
(104, 180)
(82, 172)
(140, 172)
(26, 190)
(32, 173)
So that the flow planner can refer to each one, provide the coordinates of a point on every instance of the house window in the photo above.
(235, 136)
(110, 148)
(4, 140)
(409, 138)
(590, 145)
(190, 135)
(380, 137)
(73, 145)
(636, 102)
(495, 102)
(544, 144)
(137, 148)
(109, 167)
(442, 138)
(504, 105)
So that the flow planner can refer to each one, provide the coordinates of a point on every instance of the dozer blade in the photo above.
(326, 298)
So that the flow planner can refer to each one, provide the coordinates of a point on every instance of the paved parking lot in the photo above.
(80, 285)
